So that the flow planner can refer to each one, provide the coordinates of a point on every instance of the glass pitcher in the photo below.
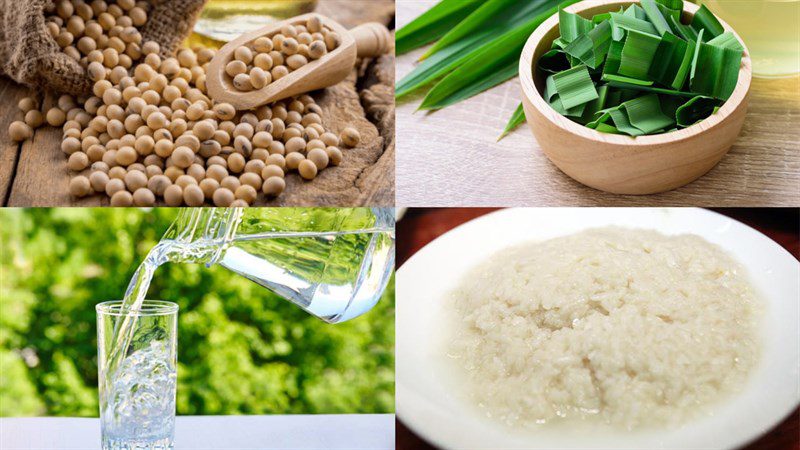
(332, 262)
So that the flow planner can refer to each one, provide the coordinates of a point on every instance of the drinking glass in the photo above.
(137, 367)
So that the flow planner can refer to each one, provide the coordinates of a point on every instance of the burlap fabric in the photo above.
(30, 56)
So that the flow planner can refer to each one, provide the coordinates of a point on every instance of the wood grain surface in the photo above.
(327, 71)
(420, 226)
(34, 173)
(451, 157)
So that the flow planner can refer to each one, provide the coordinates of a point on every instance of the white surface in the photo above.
(428, 399)
(351, 431)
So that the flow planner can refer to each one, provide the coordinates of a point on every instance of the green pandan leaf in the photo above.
(516, 120)
(655, 17)
(572, 26)
(433, 24)
(645, 114)
(485, 31)
(695, 110)
(575, 87)
(727, 40)
(592, 47)
(621, 23)
(705, 20)
(553, 61)
(720, 71)
(674, 56)
(638, 54)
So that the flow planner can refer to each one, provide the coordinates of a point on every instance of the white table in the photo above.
(348, 431)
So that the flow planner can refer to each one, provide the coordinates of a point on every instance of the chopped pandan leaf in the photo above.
(516, 120)
(625, 86)
(558, 44)
(719, 73)
(613, 97)
(645, 114)
(601, 40)
(655, 17)
(695, 110)
(433, 24)
(594, 106)
(553, 99)
(602, 117)
(550, 90)
(606, 128)
(685, 31)
(635, 11)
(669, 13)
(674, 55)
(621, 22)
(695, 54)
(591, 48)
(613, 58)
(599, 18)
(572, 26)
(652, 75)
(671, 4)
(581, 51)
(726, 40)
(622, 123)
(626, 94)
(575, 87)
(553, 61)
(626, 80)
(638, 53)
(704, 19)
(670, 104)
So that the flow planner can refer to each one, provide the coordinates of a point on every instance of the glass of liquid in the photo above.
(223, 20)
(137, 367)
(769, 28)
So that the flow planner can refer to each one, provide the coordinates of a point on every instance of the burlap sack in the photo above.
(30, 56)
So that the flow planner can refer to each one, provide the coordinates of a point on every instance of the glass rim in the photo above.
(148, 308)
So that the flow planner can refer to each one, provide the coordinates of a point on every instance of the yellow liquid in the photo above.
(769, 28)
(224, 20)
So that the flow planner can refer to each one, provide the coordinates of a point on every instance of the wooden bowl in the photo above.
(624, 164)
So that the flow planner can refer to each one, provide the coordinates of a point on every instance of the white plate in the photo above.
(427, 400)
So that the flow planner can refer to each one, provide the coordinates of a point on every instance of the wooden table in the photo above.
(34, 173)
(419, 226)
(451, 157)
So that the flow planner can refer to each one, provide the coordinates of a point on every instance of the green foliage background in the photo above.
(242, 349)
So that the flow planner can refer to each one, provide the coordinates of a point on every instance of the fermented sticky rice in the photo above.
(625, 327)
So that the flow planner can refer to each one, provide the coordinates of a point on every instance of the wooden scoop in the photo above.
(367, 40)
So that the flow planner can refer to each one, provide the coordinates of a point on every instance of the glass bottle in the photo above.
(223, 20)
(332, 262)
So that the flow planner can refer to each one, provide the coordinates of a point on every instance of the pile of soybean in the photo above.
(150, 131)
(267, 59)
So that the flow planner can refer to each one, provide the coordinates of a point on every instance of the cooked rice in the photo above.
(626, 327)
